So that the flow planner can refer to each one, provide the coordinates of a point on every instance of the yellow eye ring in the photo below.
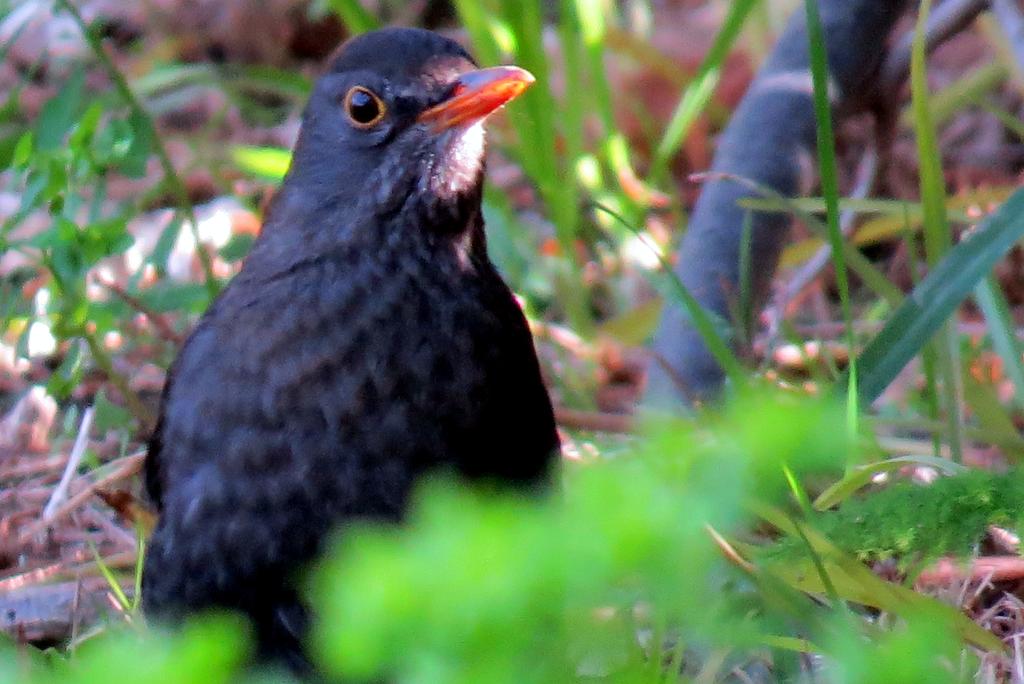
(364, 107)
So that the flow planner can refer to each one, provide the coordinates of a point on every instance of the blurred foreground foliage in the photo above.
(635, 568)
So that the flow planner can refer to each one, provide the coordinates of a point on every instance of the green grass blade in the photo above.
(861, 476)
(355, 17)
(857, 262)
(108, 575)
(575, 112)
(830, 189)
(1010, 121)
(699, 92)
(937, 235)
(964, 93)
(928, 358)
(140, 559)
(904, 209)
(702, 320)
(931, 303)
(583, 28)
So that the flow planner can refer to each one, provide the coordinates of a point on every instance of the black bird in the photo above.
(367, 340)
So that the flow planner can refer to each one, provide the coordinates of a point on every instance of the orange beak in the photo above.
(478, 94)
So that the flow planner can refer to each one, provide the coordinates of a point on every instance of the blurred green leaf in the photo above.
(110, 416)
(165, 244)
(104, 238)
(208, 650)
(86, 126)
(123, 602)
(237, 247)
(636, 326)
(68, 374)
(917, 652)
(509, 246)
(355, 17)
(815, 205)
(134, 160)
(270, 163)
(261, 77)
(60, 113)
(168, 296)
(23, 150)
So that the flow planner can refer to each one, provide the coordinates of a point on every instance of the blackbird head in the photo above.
(393, 129)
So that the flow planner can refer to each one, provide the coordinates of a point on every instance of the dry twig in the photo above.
(126, 467)
(991, 568)
(77, 451)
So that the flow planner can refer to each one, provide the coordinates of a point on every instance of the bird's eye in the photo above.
(364, 108)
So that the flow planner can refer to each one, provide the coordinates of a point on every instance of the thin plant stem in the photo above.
(135, 105)
(138, 409)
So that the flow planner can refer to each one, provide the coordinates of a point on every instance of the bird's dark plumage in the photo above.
(367, 340)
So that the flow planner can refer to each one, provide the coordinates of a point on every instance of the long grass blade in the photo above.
(699, 92)
(937, 236)
(830, 190)
(930, 304)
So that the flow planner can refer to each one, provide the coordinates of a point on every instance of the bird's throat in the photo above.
(458, 168)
